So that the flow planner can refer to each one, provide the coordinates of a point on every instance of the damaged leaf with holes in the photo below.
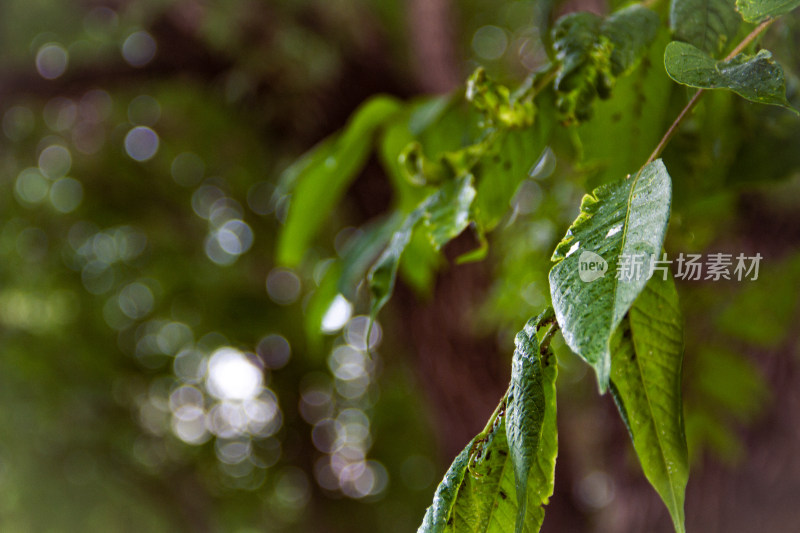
(758, 78)
(625, 219)
(593, 52)
(501, 481)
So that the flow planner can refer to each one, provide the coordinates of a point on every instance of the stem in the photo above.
(501, 407)
(749, 39)
(685, 111)
(548, 336)
(674, 127)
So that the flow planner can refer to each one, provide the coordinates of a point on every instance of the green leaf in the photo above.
(710, 25)
(320, 180)
(506, 166)
(758, 10)
(631, 31)
(646, 385)
(445, 214)
(501, 480)
(593, 52)
(574, 37)
(635, 118)
(383, 274)
(531, 423)
(625, 218)
(360, 252)
(497, 102)
(757, 78)
(487, 501)
(438, 516)
(448, 213)
(585, 65)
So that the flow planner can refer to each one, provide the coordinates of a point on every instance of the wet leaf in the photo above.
(500, 482)
(531, 423)
(445, 214)
(631, 31)
(627, 218)
(757, 78)
(647, 353)
(710, 25)
(758, 10)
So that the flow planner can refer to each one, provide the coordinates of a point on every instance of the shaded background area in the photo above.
(156, 372)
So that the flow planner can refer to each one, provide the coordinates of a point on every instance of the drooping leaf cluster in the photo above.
(457, 166)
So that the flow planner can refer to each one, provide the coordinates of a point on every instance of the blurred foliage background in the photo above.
(160, 372)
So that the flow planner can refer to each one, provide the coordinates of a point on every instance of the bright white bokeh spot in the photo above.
(55, 161)
(490, 42)
(139, 48)
(51, 60)
(235, 237)
(215, 252)
(232, 376)
(337, 315)
(283, 286)
(141, 143)
(66, 194)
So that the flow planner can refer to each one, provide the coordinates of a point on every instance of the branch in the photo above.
(685, 111)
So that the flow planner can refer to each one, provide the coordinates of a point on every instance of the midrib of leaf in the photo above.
(662, 455)
(623, 240)
(497, 495)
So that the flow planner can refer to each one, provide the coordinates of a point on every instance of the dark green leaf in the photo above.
(487, 501)
(646, 384)
(531, 423)
(631, 31)
(445, 214)
(438, 516)
(361, 251)
(635, 118)
(625, 218)
(323, 177)
(758, 10)
(592, 52)
(757, 78)
(574, 38)
(500, 482)
(448, 213)
(710, 25)
(506, 166)
(383, 274)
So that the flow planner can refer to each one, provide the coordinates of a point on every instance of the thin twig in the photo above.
(685, 111)
(749, 39)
